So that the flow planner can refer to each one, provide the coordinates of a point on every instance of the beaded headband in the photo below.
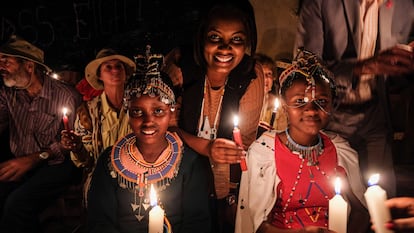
(310, 66)
(148, 79)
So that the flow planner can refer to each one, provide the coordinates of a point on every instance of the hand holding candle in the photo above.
(375, 197)
(238, 140)
(65, 118)
(338, 210)
(156, 214)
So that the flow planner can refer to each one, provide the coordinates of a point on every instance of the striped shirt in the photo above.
(35, 123)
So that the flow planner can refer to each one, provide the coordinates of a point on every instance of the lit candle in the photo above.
(275, 107)
(156, 214)
(238, 140)
(65, 118)
(338, 210)
(375, 197)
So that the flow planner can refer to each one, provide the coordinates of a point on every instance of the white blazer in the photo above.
(258, 184)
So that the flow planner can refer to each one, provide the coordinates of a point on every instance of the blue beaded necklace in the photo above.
(309, 153)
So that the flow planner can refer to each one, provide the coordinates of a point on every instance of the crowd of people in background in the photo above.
(165, 124)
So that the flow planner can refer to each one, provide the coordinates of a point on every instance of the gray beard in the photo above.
(9, 82)
(16, 82)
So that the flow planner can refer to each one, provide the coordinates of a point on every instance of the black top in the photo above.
(185, 199)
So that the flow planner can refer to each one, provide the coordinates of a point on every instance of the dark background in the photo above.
(71, 32)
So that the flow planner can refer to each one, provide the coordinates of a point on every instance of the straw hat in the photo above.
(17, 47)
(104, 55)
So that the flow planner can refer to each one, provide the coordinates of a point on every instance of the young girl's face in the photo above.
(307, 115)
(225, 44)
(149, 119)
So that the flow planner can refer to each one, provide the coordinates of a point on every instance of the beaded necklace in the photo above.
(135, 174)
(204, 128)
(294, 187)
(310, 153)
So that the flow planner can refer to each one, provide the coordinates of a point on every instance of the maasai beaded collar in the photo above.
(133, 173)
(130, 165)
(310, 153)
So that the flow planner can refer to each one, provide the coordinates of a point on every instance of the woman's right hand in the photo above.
(226, 151)
(70, 141)
(405, 208)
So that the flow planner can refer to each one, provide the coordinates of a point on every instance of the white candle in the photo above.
(375, 197)
(156, 214)
(338, 210)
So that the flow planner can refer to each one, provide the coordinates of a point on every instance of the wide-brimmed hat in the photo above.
(17, 47)
(91, 70)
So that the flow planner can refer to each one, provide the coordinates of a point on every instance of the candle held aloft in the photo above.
(338, 210)
(375, 197)
(156, 214)
(238, 140)
(65, 118)
(274, 112)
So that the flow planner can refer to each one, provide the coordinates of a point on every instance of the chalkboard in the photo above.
(72, 31)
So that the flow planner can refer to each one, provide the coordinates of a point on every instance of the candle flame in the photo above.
(373, 180)
(276, 104)
(337, 186)
(55, 76)
(65, 111)
(153, 196)
(236, 121)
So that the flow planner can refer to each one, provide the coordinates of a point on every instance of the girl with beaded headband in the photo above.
(289, 182)
(151, 156)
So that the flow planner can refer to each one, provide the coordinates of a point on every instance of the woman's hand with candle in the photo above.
(404, 209)
(237, 138)
(225, 151)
